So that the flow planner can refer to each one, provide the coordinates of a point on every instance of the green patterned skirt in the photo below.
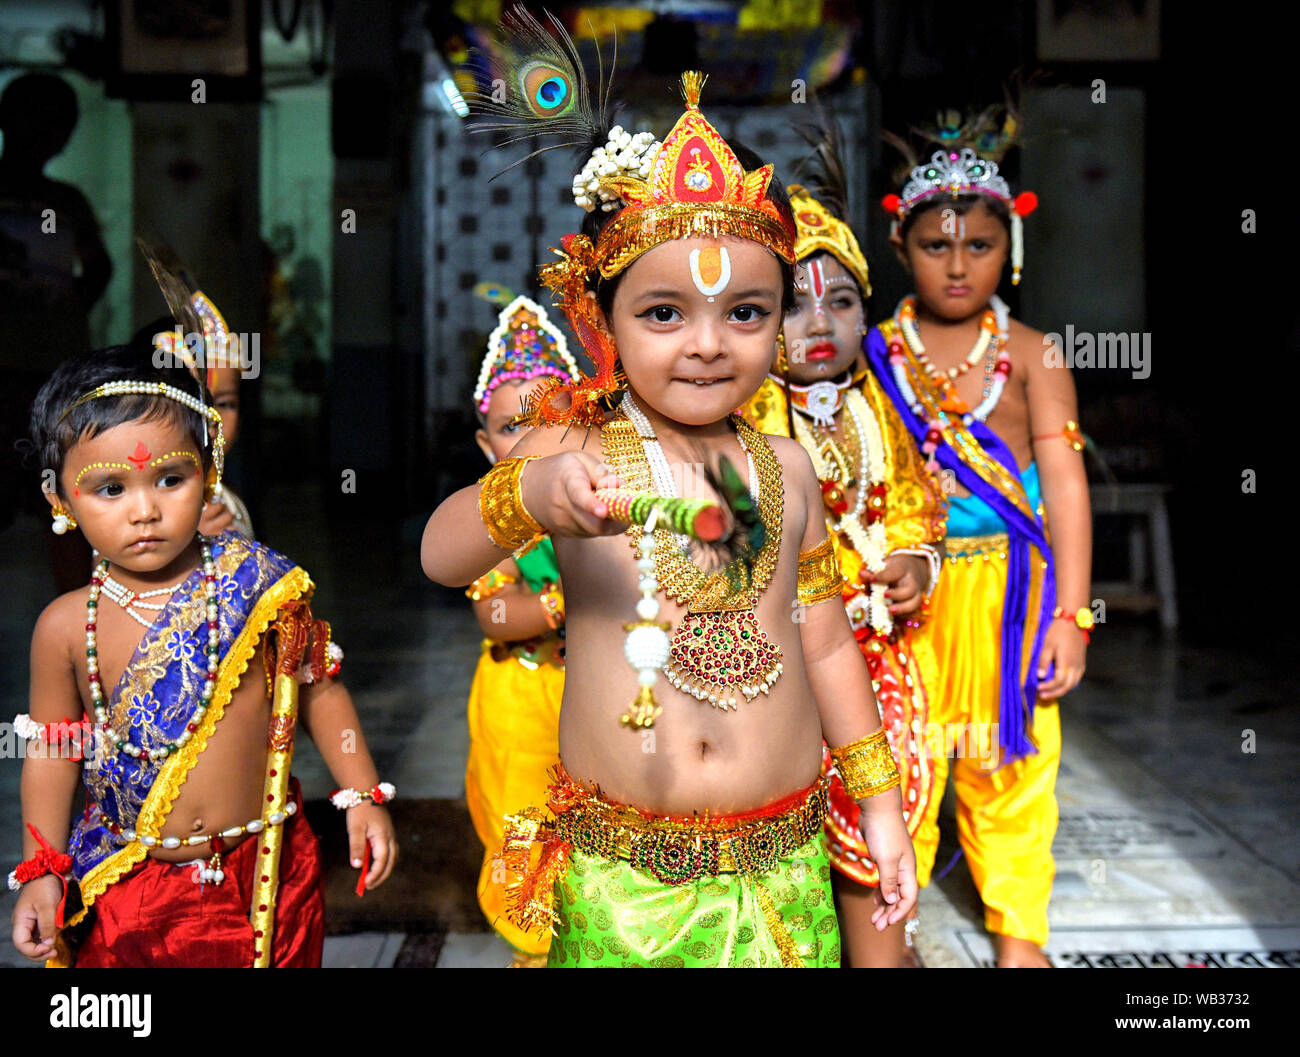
(614, 915)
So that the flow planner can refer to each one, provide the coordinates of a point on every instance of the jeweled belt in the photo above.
(679, 850)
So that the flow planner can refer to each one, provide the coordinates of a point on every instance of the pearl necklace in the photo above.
(128, 599)
(660, 472)
(869, 541)
(121, 744)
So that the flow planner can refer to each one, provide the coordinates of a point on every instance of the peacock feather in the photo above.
(538, 87)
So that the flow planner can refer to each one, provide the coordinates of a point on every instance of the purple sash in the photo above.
(1015, 702)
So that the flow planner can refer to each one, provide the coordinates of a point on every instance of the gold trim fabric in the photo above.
(916, 510)
(611, 831)
(954, 434)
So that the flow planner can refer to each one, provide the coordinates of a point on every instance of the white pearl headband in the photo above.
(127, 388)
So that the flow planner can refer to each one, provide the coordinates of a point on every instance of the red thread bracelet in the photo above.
(46, 860)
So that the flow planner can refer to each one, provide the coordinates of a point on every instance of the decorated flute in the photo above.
(701, 519)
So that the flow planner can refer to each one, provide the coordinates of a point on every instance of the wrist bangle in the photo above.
(46, 860)
(552, 600)
(1081, 618)
(931, 556)
(346, 798)
(501, 506)
(867, 766)
(492, 582)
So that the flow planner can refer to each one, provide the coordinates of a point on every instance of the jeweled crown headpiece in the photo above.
(690, 185)
(525, 345)
(696, 187)
(955, 170)
(820, 230)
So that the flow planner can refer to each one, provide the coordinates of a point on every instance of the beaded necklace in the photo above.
(996, 372)
(121, 744)
(718, 651)
(129, 600)
(997, 362)
(867, 536)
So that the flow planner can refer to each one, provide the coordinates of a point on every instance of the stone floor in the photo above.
(1177, 843)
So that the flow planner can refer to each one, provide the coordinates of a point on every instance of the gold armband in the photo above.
(867, 765)
(819, 574)
(501, 506)
(492, 582)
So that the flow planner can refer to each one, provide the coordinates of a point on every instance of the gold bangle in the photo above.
(819, 576)
(552, 600)
(501, 506)
(867, 766)
(490, 583)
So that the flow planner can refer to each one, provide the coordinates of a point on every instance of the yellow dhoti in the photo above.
(1006, 817)
(514, 719)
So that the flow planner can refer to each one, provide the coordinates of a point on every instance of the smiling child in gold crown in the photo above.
(689, 833)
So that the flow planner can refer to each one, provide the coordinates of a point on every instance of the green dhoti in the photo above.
(623, 887)
(614, 915)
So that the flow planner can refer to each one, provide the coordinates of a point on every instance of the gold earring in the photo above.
(63, 520)
(782, 364)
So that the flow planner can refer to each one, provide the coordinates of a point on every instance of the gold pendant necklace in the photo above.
(719, 653)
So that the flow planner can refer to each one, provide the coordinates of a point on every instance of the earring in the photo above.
(782, 364)
(63, 520)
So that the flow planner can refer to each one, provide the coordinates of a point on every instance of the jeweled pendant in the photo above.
(823, 400)
(719, 657)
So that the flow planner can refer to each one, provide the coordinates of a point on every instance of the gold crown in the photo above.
(697, 188)
(820, 230)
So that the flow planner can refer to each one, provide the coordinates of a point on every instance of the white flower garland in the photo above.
(869, 540)
(624, 154)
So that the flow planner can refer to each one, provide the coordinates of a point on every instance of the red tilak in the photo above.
(141, 456)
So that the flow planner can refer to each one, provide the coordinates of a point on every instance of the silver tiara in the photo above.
(955, 173)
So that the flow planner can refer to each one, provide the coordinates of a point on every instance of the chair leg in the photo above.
(1163, 559)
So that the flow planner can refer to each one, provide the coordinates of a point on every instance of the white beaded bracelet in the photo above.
(931, 556)
(346, 798)
(26, 727)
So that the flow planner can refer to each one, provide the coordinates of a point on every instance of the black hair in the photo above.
(961, 205)
(594, 223)
(57, 426)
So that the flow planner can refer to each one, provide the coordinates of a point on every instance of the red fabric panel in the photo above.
(158, 916)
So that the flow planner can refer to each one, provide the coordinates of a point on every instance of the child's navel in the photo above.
(198, 825)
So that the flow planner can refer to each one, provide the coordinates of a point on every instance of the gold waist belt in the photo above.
(679, 850)
(969, 546)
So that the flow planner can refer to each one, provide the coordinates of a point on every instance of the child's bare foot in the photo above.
(1014, 953)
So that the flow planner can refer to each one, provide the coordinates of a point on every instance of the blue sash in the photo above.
(156, 698)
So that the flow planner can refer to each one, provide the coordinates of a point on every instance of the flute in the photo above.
(702, 519)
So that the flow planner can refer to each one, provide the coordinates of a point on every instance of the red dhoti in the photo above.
(159, 916)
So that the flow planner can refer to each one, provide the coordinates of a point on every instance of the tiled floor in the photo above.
(1178, 797)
